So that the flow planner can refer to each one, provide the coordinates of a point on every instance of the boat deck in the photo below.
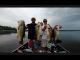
(60, 48)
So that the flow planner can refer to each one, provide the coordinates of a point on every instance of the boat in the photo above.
(23, 49)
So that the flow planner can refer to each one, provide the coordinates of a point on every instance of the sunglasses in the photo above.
(44, 21)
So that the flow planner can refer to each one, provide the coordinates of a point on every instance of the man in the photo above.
(46, 35)
(31, 29)
(32, 33)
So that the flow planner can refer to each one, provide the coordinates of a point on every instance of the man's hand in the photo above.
(60, 27)
(44, 28)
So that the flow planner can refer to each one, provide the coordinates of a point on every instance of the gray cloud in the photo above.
(68, 17)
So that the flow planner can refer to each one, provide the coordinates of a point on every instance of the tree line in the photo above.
(7, 30)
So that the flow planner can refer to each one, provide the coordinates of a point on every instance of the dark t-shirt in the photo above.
(31, 31)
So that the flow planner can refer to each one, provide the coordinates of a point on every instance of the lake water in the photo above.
(70, 40)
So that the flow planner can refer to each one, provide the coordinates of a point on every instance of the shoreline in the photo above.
(7, 32)
(2, 32)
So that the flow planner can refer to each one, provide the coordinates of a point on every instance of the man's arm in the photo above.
(49, 27)
(44, 28)
(26, 27)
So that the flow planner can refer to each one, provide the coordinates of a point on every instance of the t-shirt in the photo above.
(31, 31)
(46, 32)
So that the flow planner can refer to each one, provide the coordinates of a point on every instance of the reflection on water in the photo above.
(9, 42)
(70, 40)
(70, 36)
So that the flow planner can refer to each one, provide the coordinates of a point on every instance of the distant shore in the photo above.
(7, 31)
(69, 30)
(14, 31)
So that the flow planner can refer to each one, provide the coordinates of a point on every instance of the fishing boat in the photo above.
(23, 49)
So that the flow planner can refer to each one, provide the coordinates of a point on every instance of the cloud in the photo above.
(10, 16)
(68, 17)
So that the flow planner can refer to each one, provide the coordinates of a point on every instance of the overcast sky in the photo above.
(69, 18)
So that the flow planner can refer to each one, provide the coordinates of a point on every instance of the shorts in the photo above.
(30, 44)
(36, 44)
